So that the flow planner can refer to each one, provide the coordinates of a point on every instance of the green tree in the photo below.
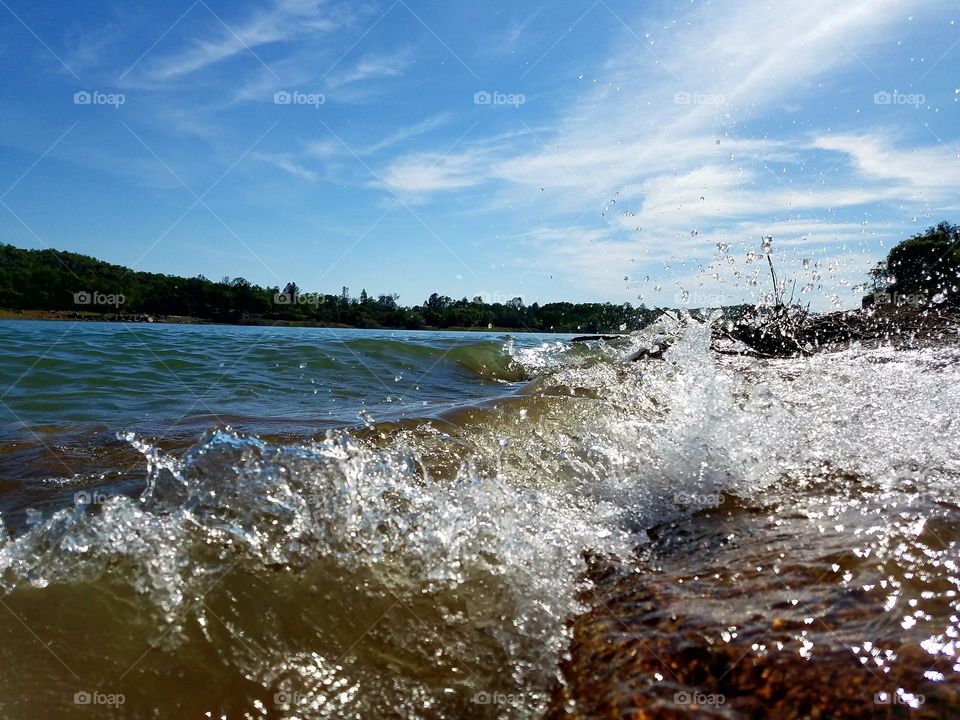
(927, 264)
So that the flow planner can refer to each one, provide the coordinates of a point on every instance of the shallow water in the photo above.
(68, 389)
(429, 557)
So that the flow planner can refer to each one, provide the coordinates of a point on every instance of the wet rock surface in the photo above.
(774, 611)
(902, 327)
(789, 331)
(828, 595)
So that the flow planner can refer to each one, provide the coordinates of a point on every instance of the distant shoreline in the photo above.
(56, 285)
(898, 326)
(146, 319)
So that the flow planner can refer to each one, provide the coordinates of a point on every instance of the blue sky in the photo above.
(590, 150)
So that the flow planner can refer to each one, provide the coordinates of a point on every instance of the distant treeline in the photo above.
(922, 270)
(63, 281)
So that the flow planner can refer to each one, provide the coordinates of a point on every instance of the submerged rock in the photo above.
(591, 338)
(735, 615)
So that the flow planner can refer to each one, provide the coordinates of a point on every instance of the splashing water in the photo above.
(428, 567)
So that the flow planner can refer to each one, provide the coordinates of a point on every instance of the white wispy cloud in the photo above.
(508, 40)
(429, 173)
(661, 269)
(665, 143)
(407, 133)
(373, 67)
(323, 149)
(288, 164)
(87, 50)
(284, 20)
(327, 152)
(933, 170)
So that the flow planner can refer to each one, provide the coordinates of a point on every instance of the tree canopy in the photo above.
(63, 281)
(925, 266)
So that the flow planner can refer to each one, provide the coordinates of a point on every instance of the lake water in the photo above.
(149, 376)
(204, 521)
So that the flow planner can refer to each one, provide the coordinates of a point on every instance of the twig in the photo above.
(776, 290)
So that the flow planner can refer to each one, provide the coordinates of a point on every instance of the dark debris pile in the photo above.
(791, 331)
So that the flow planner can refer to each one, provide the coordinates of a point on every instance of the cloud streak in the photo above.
(675, 141)
(285, 20)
